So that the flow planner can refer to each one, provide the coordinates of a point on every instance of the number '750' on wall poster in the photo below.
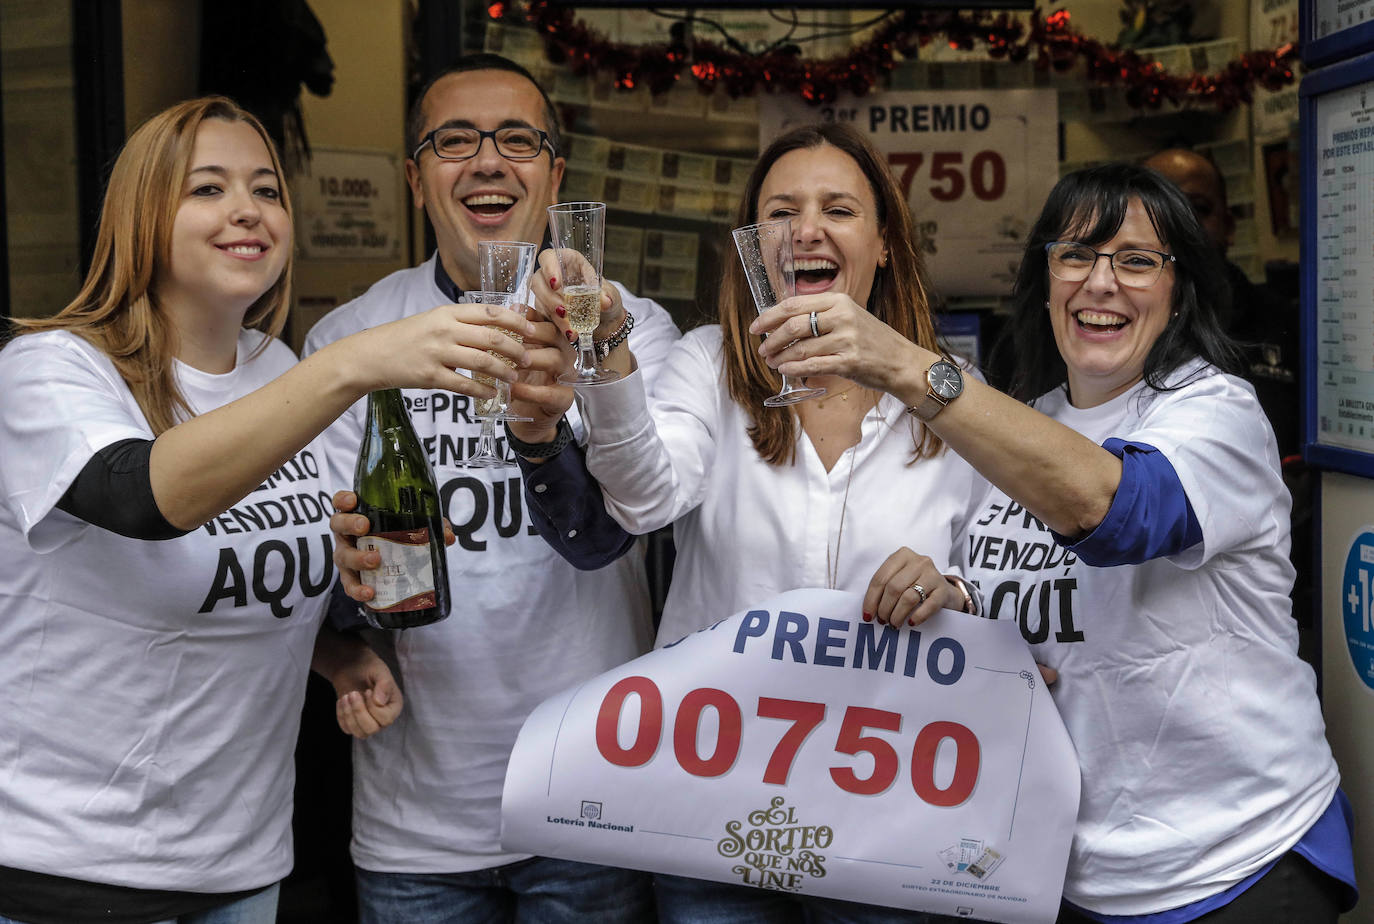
(976, 166)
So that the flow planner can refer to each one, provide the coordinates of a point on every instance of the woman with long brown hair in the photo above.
(163, 517)
(765, 500)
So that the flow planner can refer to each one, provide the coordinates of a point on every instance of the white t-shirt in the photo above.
(524, 624)
(153, 689)
(746, 530)
(1197, 726)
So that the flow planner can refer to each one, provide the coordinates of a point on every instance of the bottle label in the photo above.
(405, 579)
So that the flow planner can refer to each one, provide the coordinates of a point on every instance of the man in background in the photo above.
(1265, 324)
(1262, 320)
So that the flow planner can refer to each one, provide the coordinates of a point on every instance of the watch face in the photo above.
(945, 380)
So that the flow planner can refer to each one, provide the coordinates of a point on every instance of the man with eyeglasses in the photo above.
(485, 163)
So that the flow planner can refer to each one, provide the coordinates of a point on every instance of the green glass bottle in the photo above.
(395, 488)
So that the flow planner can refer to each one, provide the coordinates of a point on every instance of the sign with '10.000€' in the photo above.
(796, 747)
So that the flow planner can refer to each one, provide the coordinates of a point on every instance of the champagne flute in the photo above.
(506, 266)
(578, 230)
(487, 408)
(765, 250)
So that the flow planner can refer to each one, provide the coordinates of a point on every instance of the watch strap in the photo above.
(931, 405)
(562, 437)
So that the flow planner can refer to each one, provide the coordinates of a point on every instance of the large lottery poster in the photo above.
(796, 747)
(976, 165)
(1343, 259)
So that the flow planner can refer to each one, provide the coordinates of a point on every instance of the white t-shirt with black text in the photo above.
(1198, 728)
(524, 624)
(153, 689)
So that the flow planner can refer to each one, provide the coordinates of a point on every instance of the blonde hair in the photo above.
(900, 296)
(116, 311)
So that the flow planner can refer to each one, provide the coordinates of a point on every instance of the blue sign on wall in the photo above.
(1357, 586)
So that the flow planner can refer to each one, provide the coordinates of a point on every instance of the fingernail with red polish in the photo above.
(553, 283)
(911, 622)
(572, 335)
(561, 311)
(868, 617)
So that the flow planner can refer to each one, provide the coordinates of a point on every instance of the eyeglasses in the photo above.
(1136, 269)
(514, 142)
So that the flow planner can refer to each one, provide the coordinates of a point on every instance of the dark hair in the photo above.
(1089, 206)
(481, 61)
(900, 296)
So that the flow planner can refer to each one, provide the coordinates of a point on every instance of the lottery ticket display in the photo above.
(1338, 263)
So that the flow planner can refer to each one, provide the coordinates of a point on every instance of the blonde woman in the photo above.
(164, 526)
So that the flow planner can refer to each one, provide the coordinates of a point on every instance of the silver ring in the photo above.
(815, 328)
(920, 591)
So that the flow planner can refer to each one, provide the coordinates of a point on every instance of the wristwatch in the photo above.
(946, 384)
(562, 438)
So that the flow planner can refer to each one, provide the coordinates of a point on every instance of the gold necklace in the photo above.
(832, 571)
(842, 395)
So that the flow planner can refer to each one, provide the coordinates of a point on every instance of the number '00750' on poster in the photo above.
(795, 747)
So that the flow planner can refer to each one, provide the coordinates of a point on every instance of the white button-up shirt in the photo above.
(746, 530)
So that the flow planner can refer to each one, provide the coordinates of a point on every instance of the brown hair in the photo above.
(116, 310)
(899, 296)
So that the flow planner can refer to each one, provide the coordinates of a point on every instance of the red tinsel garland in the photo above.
(567, 40)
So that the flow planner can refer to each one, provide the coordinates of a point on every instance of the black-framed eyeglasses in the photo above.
(514, 142)
(1135, 268)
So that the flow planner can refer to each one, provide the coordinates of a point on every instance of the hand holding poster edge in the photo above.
(794, 747)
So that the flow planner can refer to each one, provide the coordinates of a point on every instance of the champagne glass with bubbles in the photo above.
(765, 250)
(488, 408)
(578, 230)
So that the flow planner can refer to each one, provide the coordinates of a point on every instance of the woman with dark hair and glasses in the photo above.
(1137, 530)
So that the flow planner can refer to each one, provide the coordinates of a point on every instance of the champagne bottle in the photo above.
(395, 488)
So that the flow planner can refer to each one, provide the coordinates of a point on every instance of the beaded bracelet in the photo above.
(603, 347)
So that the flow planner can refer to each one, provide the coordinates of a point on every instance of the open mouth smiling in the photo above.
(1099, 321)
(815, 271)
(489, 205)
